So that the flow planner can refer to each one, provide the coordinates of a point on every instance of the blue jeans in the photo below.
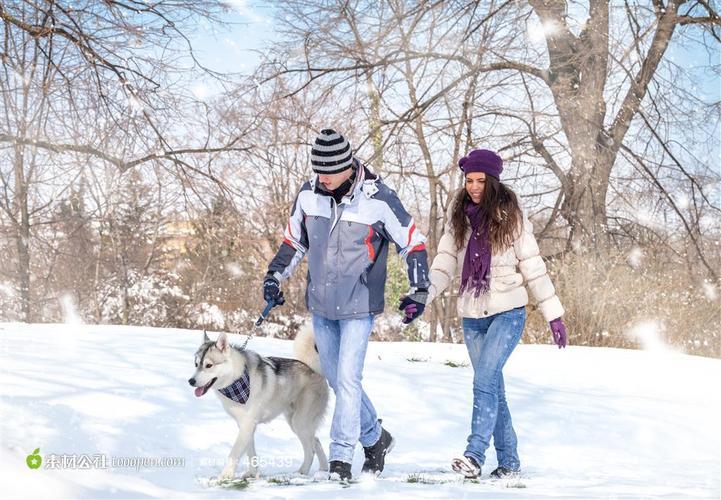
(342, 348)
(490, 341)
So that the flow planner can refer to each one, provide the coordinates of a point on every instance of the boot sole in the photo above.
(506, 476)
(460, 467)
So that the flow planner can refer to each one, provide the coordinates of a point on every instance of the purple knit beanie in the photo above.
(482, 160)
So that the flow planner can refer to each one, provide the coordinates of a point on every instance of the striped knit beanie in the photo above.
(331, 153)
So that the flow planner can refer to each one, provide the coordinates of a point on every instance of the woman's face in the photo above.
(475, 183)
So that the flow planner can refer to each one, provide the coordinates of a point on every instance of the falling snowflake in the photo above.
(6, 289)
(634, 257)
(709, 290)
(682, 201)
(135, 104)
(70, 312)
(200, 91)
(235, 270)
(649, 334)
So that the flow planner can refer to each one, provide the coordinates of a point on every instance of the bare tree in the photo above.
(94, 80)
(577, 74)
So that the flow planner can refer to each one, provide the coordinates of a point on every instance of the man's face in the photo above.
(332, 181)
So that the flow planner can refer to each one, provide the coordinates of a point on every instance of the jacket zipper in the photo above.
(330, 304)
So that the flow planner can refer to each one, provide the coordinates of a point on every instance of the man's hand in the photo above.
(271, 290)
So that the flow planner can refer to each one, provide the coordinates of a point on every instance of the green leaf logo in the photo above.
(34, 460)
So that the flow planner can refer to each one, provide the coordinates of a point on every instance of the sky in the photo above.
(236, 48)
(233, 49)
(252, 28)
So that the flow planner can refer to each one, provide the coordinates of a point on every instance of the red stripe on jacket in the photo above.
(410, 233)
(371, 250)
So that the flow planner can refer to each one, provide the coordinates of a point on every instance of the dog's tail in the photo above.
(304, 348)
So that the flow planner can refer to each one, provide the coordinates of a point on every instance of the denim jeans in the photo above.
(342, 348)
(490, 341)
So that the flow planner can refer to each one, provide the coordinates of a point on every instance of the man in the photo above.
(344, 219)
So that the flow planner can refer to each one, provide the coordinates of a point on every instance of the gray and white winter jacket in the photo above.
(347, 246)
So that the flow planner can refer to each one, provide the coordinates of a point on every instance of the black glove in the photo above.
(414, 304)
(271, 290)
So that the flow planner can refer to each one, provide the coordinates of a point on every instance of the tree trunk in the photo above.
(577, 75)
(22, 235)
(433, 186)
(374, 125)
(584, 205)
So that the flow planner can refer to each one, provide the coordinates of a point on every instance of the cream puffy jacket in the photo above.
(507, 283)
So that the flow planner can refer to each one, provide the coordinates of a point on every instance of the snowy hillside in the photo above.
(592, 422)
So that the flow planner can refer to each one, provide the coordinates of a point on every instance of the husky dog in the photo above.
(256, 389)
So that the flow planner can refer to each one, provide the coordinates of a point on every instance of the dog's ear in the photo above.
(222, 342)
(205, 336)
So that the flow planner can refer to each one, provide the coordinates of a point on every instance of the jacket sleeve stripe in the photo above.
(410, 234)
(369, 244)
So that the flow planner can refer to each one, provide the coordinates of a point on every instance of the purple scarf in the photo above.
(476, 275)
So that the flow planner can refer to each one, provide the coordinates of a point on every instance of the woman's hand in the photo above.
(560, 337)
(413, 305)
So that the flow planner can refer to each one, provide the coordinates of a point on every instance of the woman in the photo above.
(489, 240)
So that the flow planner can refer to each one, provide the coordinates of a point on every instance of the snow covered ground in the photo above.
(592, 422)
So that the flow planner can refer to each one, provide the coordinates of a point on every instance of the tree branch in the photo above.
(114, 160)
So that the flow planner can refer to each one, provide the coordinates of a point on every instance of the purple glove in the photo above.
(559, 332)
(411, 312)
(413, 305)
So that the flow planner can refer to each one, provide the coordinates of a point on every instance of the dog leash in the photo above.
(269, 305)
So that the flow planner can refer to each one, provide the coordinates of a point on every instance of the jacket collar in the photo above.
(365, 182)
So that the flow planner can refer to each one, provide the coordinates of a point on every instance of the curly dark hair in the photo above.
(504, 215)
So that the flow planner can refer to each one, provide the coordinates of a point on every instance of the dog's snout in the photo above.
(192, 381)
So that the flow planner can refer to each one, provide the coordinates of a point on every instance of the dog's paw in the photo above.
(321, 475)
(250, 474)
(227, 474)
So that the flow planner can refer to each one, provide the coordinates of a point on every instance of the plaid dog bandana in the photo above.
(238, 391)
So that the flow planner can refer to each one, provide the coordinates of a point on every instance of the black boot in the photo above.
(376, 454)
(340, 468)
(503, 472)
